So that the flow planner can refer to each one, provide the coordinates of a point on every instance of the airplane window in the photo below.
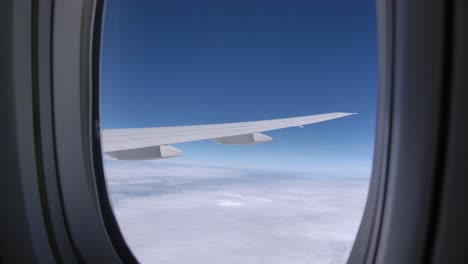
(239, 131)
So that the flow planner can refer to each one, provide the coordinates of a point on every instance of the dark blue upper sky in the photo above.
(176, 62)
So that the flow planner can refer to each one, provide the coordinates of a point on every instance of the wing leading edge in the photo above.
(154, 143)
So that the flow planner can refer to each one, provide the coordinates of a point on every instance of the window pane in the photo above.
(296, 199)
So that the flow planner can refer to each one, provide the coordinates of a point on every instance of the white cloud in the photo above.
(187, 214)
(229, 203)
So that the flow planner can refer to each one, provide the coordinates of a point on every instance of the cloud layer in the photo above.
(171, 213)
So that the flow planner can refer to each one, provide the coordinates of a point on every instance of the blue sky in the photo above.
(175, 62)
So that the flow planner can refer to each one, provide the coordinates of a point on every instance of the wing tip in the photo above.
(342, 114)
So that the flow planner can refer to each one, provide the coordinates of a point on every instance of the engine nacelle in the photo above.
(247, 139)
(148, 153)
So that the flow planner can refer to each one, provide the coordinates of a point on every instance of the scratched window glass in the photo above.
(238, 131)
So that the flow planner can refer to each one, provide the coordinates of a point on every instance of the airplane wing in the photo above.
(154, 143)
